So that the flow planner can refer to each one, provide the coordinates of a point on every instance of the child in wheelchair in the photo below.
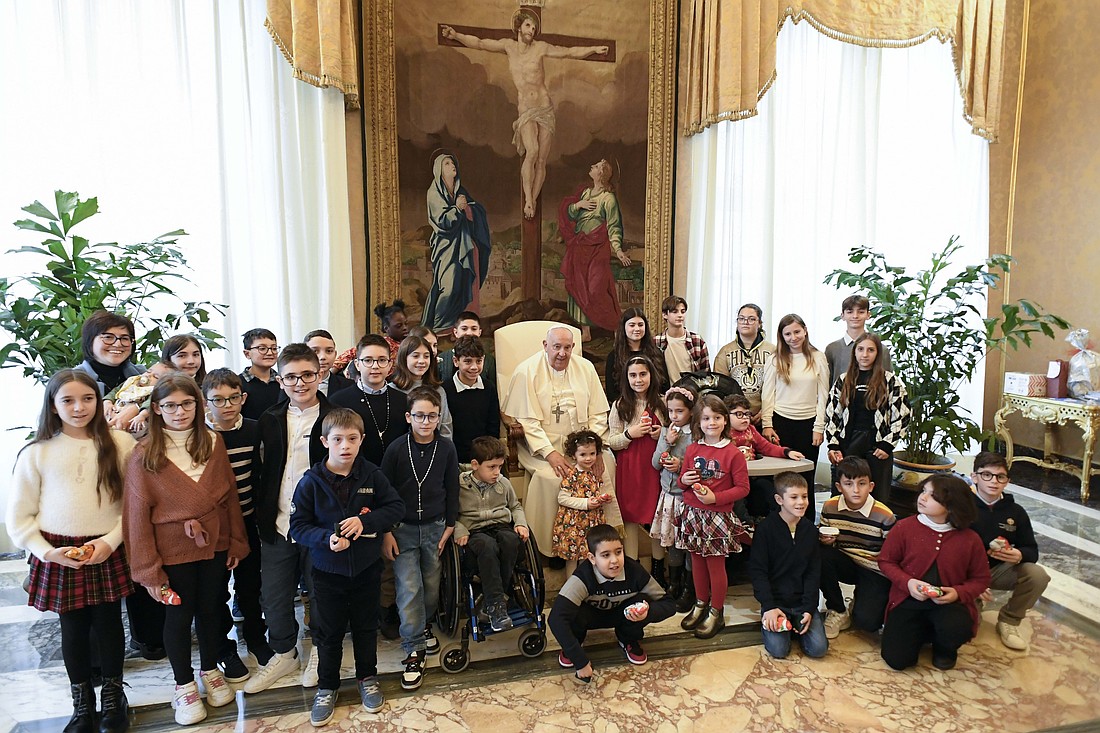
(491, 526)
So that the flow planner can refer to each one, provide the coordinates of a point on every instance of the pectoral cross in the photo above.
(558, 411)
(531, 229)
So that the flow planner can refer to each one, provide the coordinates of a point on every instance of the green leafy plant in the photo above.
(931, 321)
(44, 310)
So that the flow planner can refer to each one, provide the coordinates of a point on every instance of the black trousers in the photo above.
(343, 600)
(491, 552)
(872, 589)
(913, 623)
(77, 627)
(799, 435)
(571, 634)
(246, 586)
(200, 586)
(145, 618)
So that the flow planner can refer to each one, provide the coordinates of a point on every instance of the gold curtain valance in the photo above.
(731, 48)
(318, 39)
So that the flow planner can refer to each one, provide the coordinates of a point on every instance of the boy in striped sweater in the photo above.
(225, 396)
(852, 555)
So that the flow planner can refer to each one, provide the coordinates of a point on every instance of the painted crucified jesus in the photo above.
(534, 128)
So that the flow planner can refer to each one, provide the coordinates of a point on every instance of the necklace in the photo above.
(420, 481)
(384, 428)
(556, 396)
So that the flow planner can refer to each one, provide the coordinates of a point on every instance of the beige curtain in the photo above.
(731, 48)
(318, 39)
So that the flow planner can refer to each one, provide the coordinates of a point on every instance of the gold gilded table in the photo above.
(1051, 412)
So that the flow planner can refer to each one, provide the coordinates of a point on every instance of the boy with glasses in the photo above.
(225, 397)
(290, 442)
(754, 445)
(1005, 529)
(424, 469)
(258, 381)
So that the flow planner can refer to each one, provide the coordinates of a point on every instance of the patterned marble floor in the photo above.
(726, 684)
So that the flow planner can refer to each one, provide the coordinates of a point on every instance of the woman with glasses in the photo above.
(183, 527)
(745, 357)
(107, 341)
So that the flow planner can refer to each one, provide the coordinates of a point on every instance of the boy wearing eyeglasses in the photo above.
(1005, 529)
(381, 405)
(261, 349)
(754, 445)
(290, 442)
(224, 393)
(424, 469)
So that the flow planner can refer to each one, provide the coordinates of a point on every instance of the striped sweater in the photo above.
(861, 536)
(240, 444)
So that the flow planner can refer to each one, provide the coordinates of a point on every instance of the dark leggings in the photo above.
(199, 585)
(76, 640)
(798, 435)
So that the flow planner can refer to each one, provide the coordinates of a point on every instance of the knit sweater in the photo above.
(161, 508)
(911, 548)
(786, 571)
(891, 419)
(761, 446)
(382, 413)
(436, 494)
(478, 413)
(731, 475)
(54, 490)
(483, 505)
(242, 445)
(802, 397)
(861, 535)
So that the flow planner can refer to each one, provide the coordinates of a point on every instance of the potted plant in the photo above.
(44, 310)
(934, 323)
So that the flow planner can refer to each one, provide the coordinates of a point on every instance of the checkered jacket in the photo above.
(891, 419)
(696, 347)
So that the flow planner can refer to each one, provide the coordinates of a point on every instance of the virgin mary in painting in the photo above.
(459, 246)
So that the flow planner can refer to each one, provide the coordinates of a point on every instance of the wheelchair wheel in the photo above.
(451, 594)
(532, 642)
(454, 659)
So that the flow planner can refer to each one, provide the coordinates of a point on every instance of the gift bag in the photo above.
(1084, 366)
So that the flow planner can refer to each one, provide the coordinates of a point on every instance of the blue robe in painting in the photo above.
(460, 249)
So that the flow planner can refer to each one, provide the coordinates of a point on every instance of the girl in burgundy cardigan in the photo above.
(938, 568)
(182, 524)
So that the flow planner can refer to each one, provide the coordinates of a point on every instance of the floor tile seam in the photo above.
(1054, 501)
(1080, 543)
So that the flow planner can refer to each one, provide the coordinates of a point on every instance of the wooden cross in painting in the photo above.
(534, 127)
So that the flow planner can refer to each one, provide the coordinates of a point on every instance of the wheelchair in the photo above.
(458, 594)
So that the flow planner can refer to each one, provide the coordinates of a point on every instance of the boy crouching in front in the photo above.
(341, 506)
(608, 591)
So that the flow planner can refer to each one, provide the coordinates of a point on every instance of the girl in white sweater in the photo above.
(796, 388)
(65, 509)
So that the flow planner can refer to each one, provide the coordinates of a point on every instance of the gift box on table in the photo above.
(1028, 385)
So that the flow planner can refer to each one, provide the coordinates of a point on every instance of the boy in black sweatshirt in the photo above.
(472, 398)
(424, 468)
(608, 591)
(341, 507)
(1005, 529)
(786, 572)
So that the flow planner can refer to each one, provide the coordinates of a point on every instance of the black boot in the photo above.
(687, 595)
(658, 573)
(675, 581)
(83, 720)
(115, 715)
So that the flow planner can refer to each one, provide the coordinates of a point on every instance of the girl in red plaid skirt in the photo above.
(66, 510)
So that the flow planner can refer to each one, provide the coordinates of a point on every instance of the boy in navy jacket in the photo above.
(341, 508)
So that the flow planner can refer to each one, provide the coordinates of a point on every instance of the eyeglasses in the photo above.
(110, 338)
(424, 417)
(304, 378)
(171, 408)
(223, 401)
(384, 361)
(1001, 478)
(750, 319)
(265, 349)
(741, 415)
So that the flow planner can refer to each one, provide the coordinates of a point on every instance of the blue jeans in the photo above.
(813, 642)
(416, 571)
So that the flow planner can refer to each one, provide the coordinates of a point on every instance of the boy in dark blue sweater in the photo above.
(341, 508)
(786, 572)
(471, 397)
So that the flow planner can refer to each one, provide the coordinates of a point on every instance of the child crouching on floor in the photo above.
(608, 591)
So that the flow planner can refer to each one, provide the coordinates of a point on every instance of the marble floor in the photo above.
(727, 683)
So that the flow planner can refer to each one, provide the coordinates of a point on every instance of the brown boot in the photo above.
(695, 616)
(712, 624)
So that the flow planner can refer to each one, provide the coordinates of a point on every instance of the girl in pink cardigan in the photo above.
(182, 523)
(938, 568)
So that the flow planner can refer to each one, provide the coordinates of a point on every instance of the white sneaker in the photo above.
(835, 622)
(309, 674)
(218, 691)
(188, 704)
(278, 666)
(1010, 636)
